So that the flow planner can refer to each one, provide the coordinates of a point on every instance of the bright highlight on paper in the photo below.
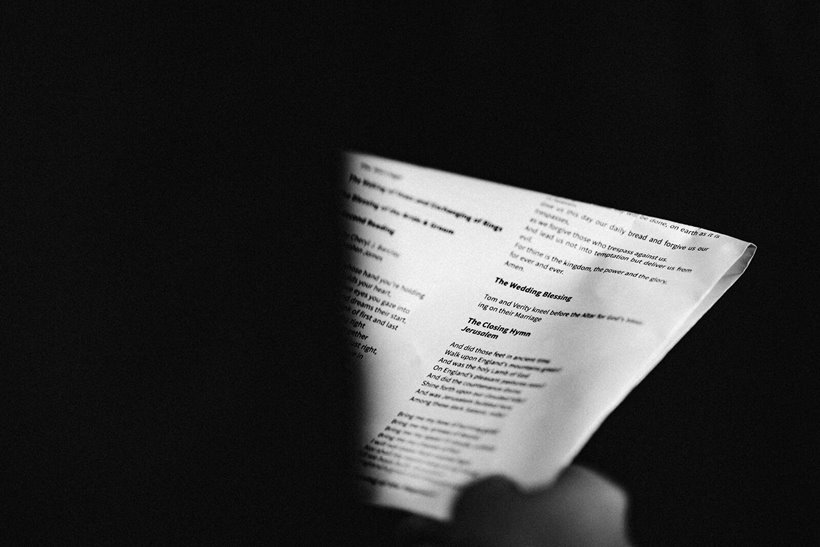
(497, 327)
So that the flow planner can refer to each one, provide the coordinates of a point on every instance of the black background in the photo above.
(170, 236)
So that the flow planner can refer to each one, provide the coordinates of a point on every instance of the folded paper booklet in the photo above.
(495, 328)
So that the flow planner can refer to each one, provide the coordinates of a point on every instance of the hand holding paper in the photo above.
(497, 327)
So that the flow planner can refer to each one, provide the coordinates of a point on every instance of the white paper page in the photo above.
(495, 327)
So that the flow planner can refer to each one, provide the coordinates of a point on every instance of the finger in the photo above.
(486, 497)
(484, 513)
